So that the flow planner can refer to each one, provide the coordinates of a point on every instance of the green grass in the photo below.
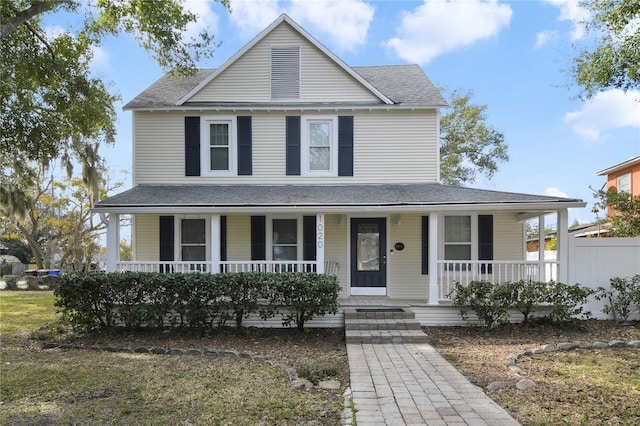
(24, 311)
(97, 387)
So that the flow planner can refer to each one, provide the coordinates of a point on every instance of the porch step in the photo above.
(382, 325)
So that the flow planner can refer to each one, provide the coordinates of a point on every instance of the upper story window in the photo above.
(624, 183)
(219, 150)
(285, 72)
(319, 146)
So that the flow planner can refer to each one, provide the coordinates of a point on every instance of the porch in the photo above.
(448, 274)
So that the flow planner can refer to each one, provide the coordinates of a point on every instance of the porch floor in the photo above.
(380, 302)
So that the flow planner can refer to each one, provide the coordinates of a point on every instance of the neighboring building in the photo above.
(287, 159)
(624, 176)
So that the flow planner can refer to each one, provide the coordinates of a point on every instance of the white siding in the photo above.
(147, 237)
(389, 147)
(238, 238)
(336, 248)
(248, 79)
(405, 267)
(508, 237)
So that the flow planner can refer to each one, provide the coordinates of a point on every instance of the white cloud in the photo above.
(251, 17)
(570, 10)
(344, 22)
(555, 192)
(100, 58)
(545, 37)
(606, 110)
(207, 20)
(437, 27)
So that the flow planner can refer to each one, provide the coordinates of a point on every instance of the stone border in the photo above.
(524, 383)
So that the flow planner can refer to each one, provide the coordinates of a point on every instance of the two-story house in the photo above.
(285, 158)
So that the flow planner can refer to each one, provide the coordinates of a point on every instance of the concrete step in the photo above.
(378, 313)
(385, 336)
(381, 324)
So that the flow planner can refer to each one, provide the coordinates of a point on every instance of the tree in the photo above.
(50, 106)
(615, 61)
(624, 212)
(59, 227)
(469, 146)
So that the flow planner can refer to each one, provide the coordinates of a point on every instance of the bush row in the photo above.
(491, 303)
(623, 296)
(141, 299)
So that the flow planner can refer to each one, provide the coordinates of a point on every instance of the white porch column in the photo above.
(541, 246)
(320, 236)
(434, 289)
(215, 243)
(563, 246)
(113, 242)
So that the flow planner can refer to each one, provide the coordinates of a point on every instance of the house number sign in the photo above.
(320, 232)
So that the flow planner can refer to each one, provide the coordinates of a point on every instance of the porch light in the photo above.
(339, 221)
(396, 220)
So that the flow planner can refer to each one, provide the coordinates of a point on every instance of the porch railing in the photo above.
(465, 271)
(227, 266)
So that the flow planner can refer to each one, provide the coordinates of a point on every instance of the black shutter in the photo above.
(244, 146)
(345, 146)
(167, 238)
(223, 238)
(485, 241)
(293, 145)
(258, 238)
(192, 146)
(425, 245)
(309, 238)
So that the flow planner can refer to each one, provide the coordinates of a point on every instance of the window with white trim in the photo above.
(219, 147)
(623, 183)
(284, 239)
(193, 242)
(319, 143)
(457, 238)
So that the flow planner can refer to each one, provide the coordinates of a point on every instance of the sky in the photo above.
(513, 55)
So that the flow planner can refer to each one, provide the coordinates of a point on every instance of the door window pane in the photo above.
(368, 250)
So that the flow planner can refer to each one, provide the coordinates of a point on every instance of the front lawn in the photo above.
(84, 386)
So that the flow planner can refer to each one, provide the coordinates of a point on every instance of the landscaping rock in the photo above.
(497, 385)
(599, 345)
(525, 384)
(566, 346)
(329, 384)
(301, 384)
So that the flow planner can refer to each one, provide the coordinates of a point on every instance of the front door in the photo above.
(369, 256)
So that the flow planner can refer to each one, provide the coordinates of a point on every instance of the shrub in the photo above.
(136, 299)
(623, 295)
(303, 296)
(528, 296)
(566, 302)
(490, 302)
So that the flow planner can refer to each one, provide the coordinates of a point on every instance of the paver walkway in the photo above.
(412, 384)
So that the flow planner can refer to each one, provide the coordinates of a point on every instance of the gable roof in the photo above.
(373, 196)
(283, 18)
(400, 86)
(623, 165)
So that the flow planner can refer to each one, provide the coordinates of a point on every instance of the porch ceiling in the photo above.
(396, 197)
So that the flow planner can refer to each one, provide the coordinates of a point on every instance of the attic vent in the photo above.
(285, 72)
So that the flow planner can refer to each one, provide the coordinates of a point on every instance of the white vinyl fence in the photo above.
(594, 261)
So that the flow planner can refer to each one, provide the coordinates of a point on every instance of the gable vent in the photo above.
(285, 72)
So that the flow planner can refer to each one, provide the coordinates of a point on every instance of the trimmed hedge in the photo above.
(91, 300)
(491, 303)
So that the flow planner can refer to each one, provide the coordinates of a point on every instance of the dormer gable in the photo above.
(284, 64)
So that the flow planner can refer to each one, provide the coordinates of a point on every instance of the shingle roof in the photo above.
(318, 195)
(406, 85)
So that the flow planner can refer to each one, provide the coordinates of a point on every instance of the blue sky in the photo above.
(513, 55)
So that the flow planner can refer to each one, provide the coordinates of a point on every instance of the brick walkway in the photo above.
(411, 384)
